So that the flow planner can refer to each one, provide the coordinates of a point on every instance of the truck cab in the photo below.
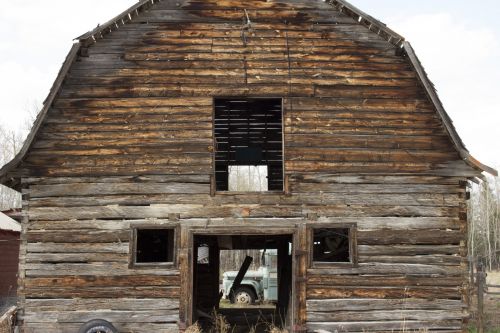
(259, 285)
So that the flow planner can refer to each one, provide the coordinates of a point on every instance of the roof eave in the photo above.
(115, 23)
(368, 21)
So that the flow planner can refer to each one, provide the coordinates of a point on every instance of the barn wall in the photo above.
(411, 265)
(129, 140)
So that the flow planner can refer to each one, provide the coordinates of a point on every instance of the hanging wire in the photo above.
(246, 27)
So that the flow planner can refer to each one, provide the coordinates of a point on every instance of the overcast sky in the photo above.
(457, 41)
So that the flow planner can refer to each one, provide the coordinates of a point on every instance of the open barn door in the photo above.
(244, 280)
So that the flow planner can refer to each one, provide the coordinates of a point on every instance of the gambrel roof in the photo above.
(10, 177)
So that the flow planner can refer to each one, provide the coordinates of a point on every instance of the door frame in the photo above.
(187, 267)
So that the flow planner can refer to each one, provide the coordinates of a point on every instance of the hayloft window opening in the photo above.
(154, 246)
(333, 245)
(249, 144)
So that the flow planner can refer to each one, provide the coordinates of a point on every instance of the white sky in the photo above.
(459, 47)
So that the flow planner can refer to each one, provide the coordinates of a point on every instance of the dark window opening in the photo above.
(154, 246)
(249, 144)
(331, 245)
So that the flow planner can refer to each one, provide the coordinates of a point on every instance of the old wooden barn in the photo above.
(355, 174)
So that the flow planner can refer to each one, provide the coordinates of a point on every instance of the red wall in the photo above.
(9, 262)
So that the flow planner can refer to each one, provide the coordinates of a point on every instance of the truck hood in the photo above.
(249, 274)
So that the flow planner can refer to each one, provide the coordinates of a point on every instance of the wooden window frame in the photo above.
(133, 264)
(353, 245)
(213, 185)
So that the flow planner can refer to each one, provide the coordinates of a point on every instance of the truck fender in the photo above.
(252, 284)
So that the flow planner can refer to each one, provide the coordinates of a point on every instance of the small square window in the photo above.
(332, 245)
(154, 246)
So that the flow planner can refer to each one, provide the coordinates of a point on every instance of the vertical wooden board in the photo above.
(302, 262)
(21, 292)
(185, 274)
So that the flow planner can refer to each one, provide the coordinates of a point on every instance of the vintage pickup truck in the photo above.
(257, 286)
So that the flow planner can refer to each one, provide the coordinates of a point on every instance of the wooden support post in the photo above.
(301, 278)
(241, 274)
(184, 259)
(213, 185)
(480, 297)
(472, 264)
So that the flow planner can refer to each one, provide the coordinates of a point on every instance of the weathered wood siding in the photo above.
(129, 139)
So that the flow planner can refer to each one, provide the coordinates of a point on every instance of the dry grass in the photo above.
(6, 319)
(492, 303)
(194, 329)
(274, 329)
(5, 327)
(220, 324)
(493, 278)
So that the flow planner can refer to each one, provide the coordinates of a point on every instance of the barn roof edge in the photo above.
(113, 24)
(368, 21)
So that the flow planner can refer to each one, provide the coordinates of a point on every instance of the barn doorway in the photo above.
(244, 281)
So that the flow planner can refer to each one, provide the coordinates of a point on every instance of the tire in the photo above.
(244, 296)
(97, 326)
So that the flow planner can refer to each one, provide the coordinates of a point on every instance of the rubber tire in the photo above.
(247, 290)
(97, 326)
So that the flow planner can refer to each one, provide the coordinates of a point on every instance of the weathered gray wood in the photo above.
(123, 327)
(401, 314)
(383, 268)
(117, 304)
(365, 304)
(97, 268)
(377, 250)
(106, 188)
(142, 179)
(363, 223)
(392, 326)
(115, 248)
(412, 199)
(134, 316)
(75, 257)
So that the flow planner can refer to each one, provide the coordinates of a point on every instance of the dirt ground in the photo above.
(225, 304)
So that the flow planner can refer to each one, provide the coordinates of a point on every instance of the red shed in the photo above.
(10, 231)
